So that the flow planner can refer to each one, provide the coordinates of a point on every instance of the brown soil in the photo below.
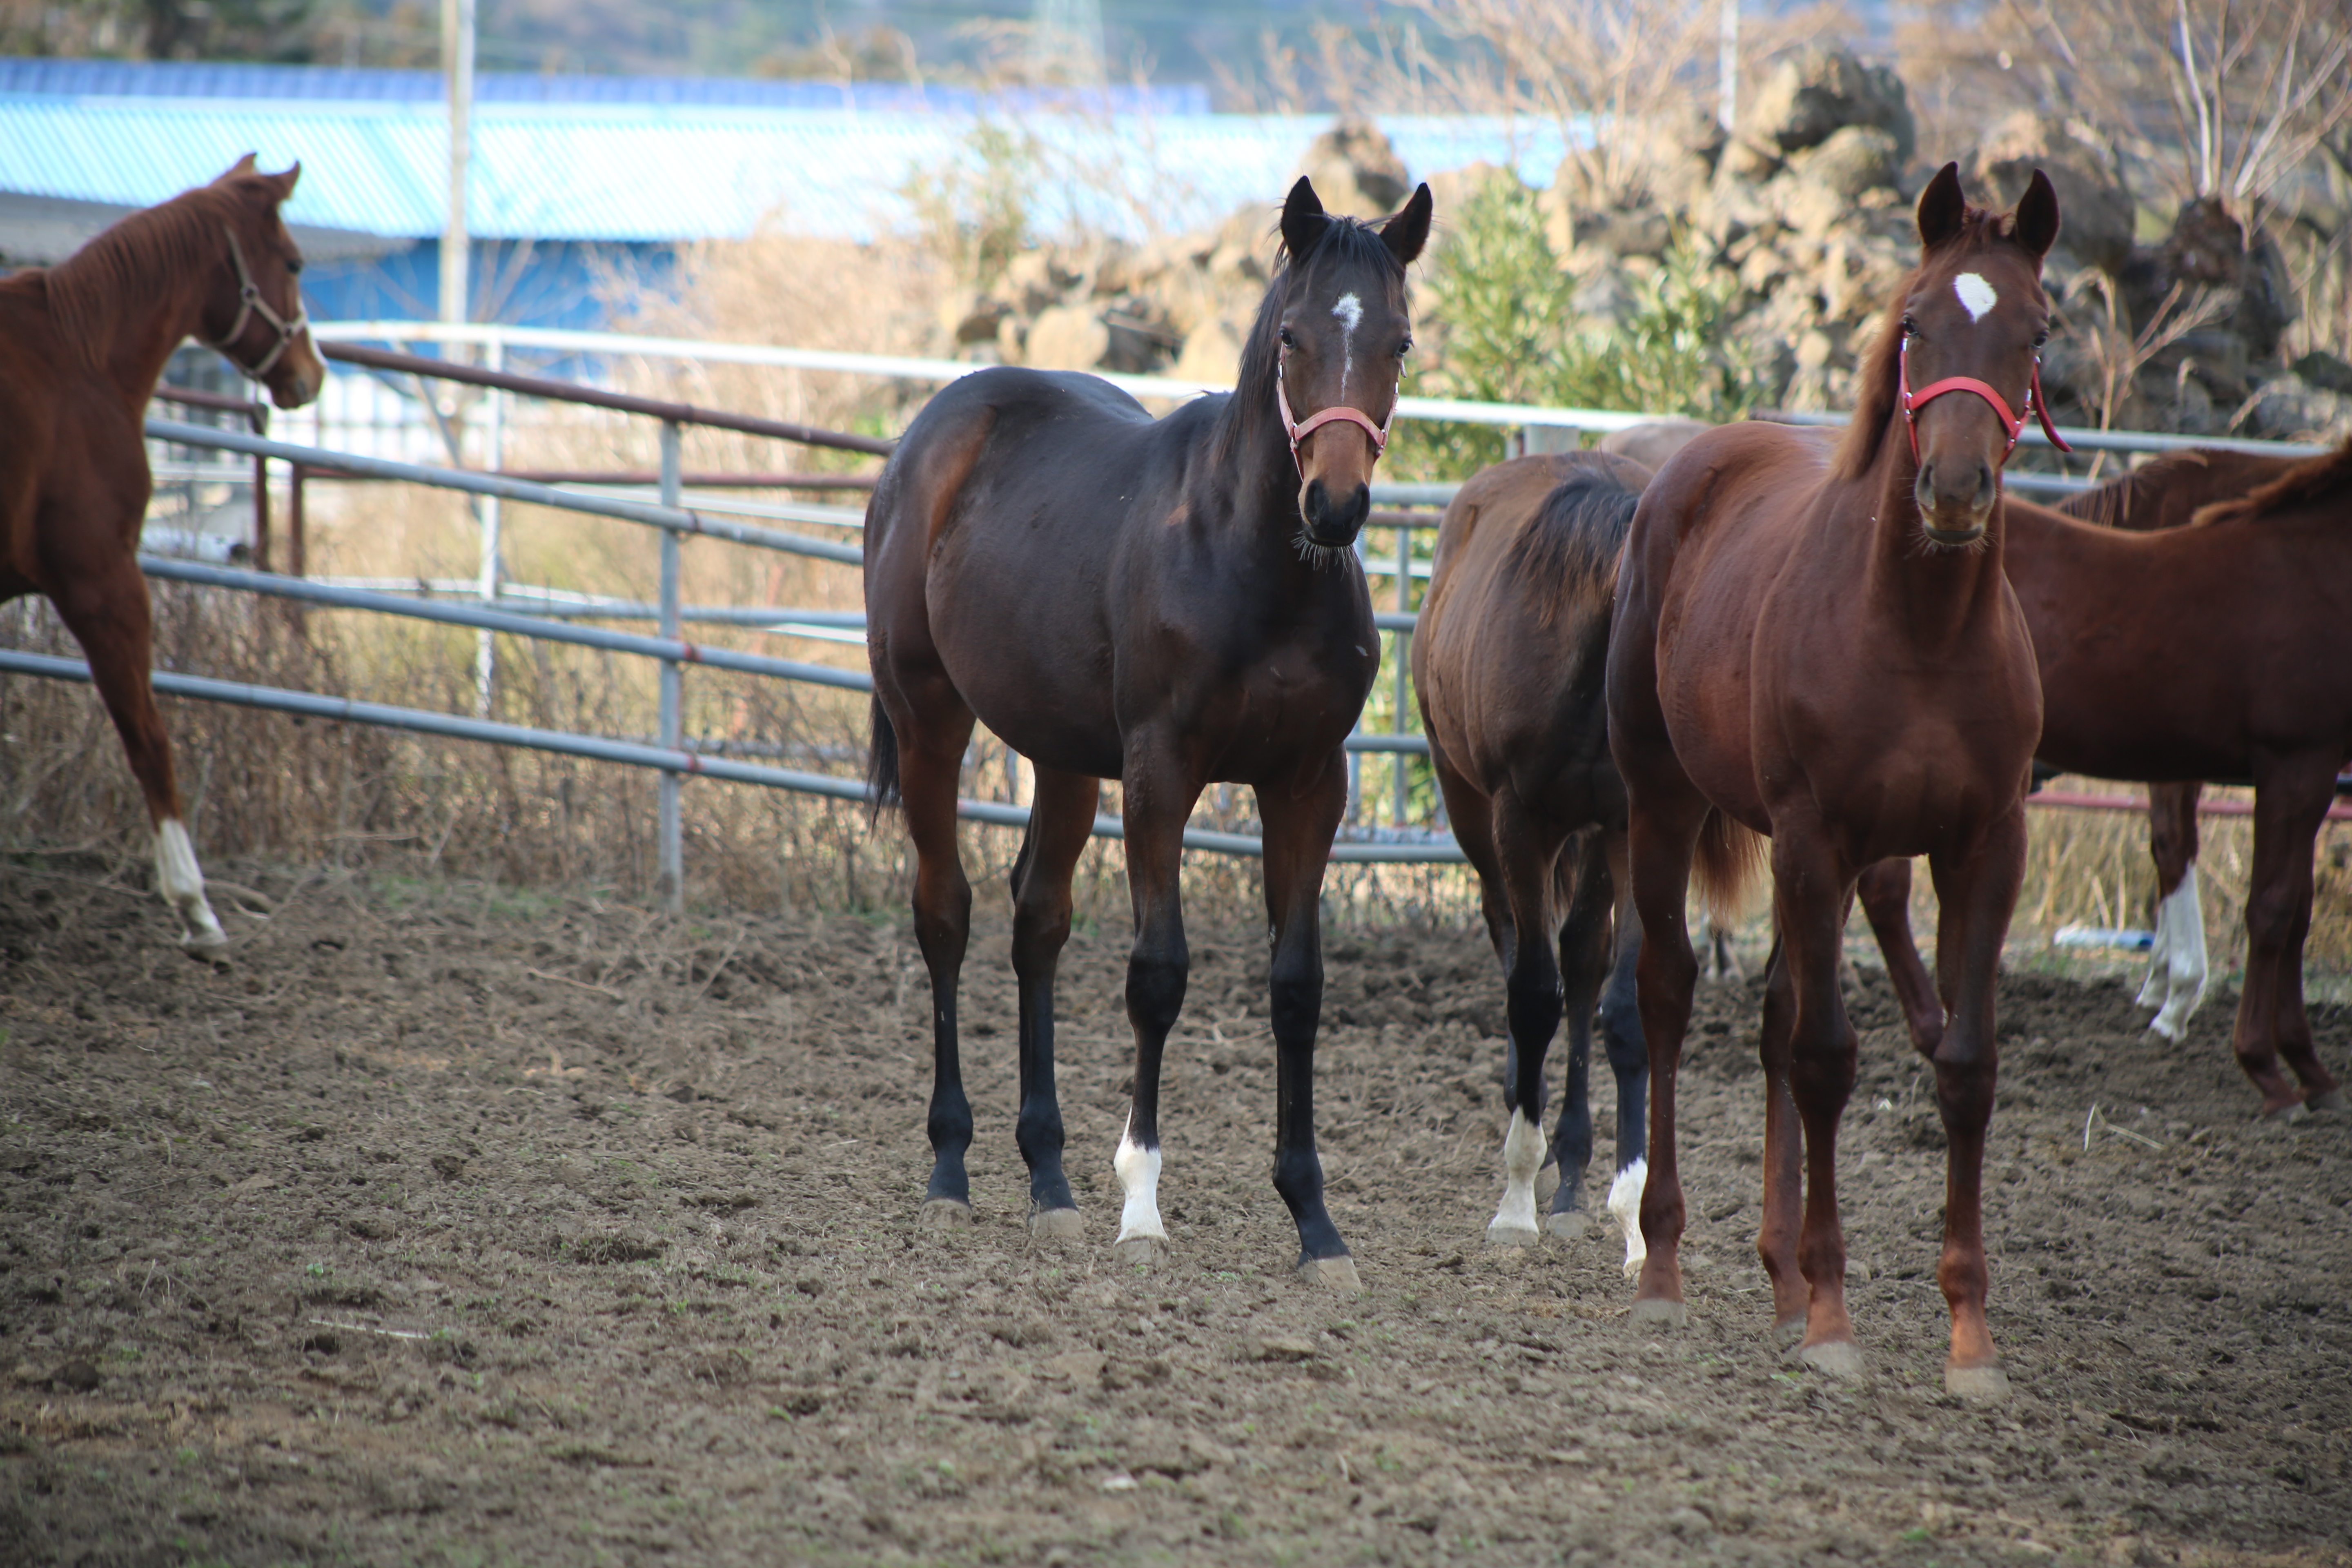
(455, 1226)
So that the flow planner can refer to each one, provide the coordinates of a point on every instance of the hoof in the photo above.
(2327, 1100)
(1976, 1385)
(944, 1213)
(1789, 1332)
(1331, 1273)
(1139, 1251)
(2171, 1033)
(2292, 1110)
(1501, 1234)
(1055, 1224)
(1834, 1358)
(1571, 1225)
(206, 949)
(1660, 1312)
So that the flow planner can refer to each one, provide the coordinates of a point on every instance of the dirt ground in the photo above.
(460, 1225)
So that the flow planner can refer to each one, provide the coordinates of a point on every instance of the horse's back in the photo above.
(1514, 632)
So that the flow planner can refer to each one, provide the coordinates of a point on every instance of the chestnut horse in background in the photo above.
(1168, 602)
(1507, 662)
(2221, 649)
(81, 346)
(1824, 648)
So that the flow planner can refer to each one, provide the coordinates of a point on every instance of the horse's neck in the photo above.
(1945, 594)
(131, 334)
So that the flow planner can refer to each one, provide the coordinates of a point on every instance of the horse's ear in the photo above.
(2035, 223)
(1407, 232)
(1942, 209)
(283, 184)
(245, 165)
(1303, 218)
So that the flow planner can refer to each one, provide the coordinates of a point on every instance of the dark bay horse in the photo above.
(1824, 648)
(1166, 603)
(1507, 662)
(81, 346)
(2220, 649)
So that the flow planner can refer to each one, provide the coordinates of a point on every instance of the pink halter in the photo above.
(2014, 423)
(1299, 430)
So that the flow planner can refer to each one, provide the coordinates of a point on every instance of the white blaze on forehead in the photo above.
(1350, 310)
(1977, 295)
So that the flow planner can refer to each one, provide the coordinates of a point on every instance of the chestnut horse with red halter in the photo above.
(81, 345)
(2213, 651)
(1168, 602)
(1824, 648)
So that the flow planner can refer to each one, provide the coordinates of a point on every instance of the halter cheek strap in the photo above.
(1299, 429)
(250, 304)
(2014, 423)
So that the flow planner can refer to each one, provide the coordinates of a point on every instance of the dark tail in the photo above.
(1729, 861)
(881, 764)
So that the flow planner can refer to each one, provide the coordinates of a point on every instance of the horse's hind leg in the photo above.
(1060, 819)
(2177, 964)
(1526, 850)
(1577, 879)
(1629, 1052)
(931, 765)
(1299, 832)
(108, 614)
(2291, 799)
(1885, 892)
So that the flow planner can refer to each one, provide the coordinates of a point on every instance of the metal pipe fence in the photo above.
(501, 609)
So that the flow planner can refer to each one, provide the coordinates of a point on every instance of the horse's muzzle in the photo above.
(1334, 523)
(1955, 501)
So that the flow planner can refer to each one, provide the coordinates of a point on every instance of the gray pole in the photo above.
(670, 883)
(1727, 67)
(458, 66)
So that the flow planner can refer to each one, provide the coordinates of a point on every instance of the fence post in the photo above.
(1398, 762)
(485, 655)
(671, 882)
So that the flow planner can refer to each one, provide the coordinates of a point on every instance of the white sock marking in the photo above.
(1625, 1207)
(1977, 295)
(2185, 959)
(182, 883)
(1139, 1177)
(1523, 1154)
(1350, 310)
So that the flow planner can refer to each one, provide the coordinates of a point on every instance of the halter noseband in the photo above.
(1299, 429)
(250, 304)
(2014, 423)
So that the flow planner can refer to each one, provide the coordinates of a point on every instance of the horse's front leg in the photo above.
(1811, 893)
(1158, 797)
(1299, 827)
(1976, 894)
(1061, 819)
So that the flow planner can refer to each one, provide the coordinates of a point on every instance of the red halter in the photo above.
(1299, 430)
(1914, 402)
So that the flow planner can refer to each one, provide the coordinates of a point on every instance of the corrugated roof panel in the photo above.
(651, 173)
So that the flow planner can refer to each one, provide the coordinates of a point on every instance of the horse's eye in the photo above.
(1404, 348)
(1289, 340)
(2041, 338)
(294, 268)
(1910, 326)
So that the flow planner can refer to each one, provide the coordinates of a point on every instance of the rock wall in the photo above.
(1809, 202)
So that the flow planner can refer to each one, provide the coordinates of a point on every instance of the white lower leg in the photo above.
(1523, 1156)
(2185, 962)
(1139, 1177)
(1625, 1209)
(182, 886)
(2157, 987)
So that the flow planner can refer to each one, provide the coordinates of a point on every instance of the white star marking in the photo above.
(1977, 295)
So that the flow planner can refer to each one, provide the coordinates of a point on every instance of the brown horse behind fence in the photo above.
(1824, 648)
(1507, 660)
(81, 346)
(1168, 602)
(2217, 649)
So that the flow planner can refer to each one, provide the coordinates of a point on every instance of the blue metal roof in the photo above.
(640, 171)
